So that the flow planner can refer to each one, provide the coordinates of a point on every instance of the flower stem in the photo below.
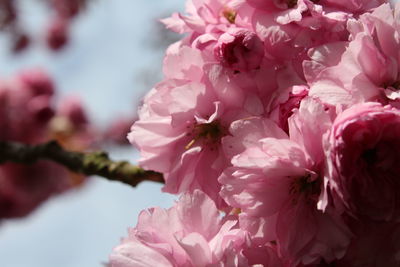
(89, 163)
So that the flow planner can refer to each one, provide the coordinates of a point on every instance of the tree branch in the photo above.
(95, 163)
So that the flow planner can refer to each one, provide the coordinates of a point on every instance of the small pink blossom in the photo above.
(57, 35)
(27, 106)
(37, 81)
(72, 108)
(179, 131)
(240, 50)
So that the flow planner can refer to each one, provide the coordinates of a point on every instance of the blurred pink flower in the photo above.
(57, 33)
(27, 115)
(23, 188)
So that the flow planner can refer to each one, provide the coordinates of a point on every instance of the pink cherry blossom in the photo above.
(27, 115)
(286, 115)
(362, 152)
(368, 67)
(290, 28)
(277, 182)
(26, 100)
(191, 233)
(71, 126)
(240, 50)
(179, 132)
(24, 188)
(206, 16)
(57, 33)
(37, 82)
(183, 122)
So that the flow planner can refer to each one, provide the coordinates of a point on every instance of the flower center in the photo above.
(209, 134)
(230, 15)
(369, 156)
(382, 158)
(305, 186)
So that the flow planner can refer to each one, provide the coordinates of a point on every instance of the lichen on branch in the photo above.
(89, 163)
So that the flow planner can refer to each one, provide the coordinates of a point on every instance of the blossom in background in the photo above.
(28, 115)
(63, 12)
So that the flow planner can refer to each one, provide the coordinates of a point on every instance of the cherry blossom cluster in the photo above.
(278, 123)
(28, 115)
(63, 12)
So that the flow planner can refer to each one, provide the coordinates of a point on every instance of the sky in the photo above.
(105, 62)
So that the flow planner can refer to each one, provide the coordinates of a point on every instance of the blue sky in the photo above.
(103, 64)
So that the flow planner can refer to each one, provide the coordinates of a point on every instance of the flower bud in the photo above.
(240, 50)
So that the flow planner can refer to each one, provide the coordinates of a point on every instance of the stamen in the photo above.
(209, 133)
(230, 15)
(236, 211)
(370, 156)
(191, 143)
(304, 186)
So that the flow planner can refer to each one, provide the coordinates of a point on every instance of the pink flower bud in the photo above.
(72, 109)
(240, 50)
(57, 35)
(37, 82)
(21, 42)
(40, 109)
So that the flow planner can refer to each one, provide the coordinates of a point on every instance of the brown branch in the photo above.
(95, 163)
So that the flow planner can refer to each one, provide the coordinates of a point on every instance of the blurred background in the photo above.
(114, 56)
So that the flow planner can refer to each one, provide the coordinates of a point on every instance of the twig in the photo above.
(94, 163)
